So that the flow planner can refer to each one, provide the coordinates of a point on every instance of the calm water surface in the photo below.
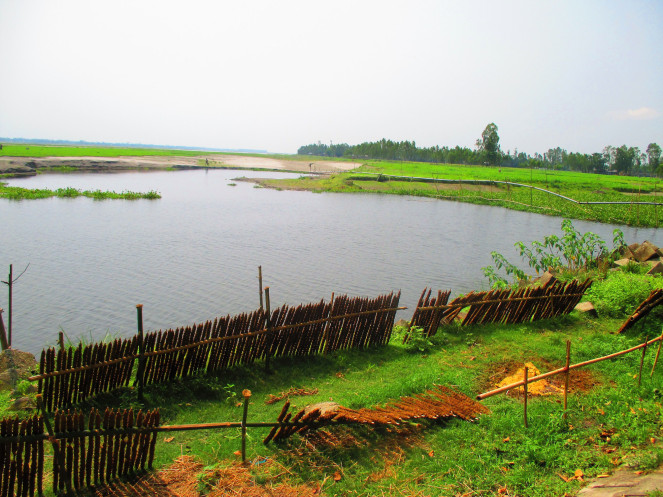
(193, 255)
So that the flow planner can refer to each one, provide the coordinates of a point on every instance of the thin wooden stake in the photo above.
(525, 374)
(658, 351)
(3, 334)
(566, 375)
(260, 284)
(269, 338)
(61, 339)
(642, 360)
(141, 351)
(10, 283)
(247, 395)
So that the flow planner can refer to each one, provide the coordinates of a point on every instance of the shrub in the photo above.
(621, 292)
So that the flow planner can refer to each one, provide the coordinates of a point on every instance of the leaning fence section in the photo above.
(74, 374)
(69, 376)
(499, 306)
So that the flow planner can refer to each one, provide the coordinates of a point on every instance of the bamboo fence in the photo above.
(75, 374)
(498, 306)
(21, 460)
(69, 376)
(115, 444)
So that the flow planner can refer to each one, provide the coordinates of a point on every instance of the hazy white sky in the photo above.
(275, 75)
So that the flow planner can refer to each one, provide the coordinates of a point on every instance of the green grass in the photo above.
(448, 458)
(17, 193)
(578, 186)
(91, 151)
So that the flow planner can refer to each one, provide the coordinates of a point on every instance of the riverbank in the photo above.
(28, 166)
(617, 200)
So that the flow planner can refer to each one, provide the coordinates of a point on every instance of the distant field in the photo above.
(578, 186)
(82, 151)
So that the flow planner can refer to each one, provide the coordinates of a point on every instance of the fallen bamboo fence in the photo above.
(498, 306)
(69, 376)
(649, 304)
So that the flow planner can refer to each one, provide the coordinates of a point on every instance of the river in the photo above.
(194, 254)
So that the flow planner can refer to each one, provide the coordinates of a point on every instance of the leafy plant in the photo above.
(572, 251)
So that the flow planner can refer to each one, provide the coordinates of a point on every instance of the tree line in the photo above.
(623, 160)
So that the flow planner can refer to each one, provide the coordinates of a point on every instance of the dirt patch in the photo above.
(187, 478)
(580, 380)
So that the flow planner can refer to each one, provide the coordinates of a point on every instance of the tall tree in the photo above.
(489, 144)
(624, 159)
(654, 156)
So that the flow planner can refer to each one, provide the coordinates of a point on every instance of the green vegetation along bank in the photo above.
(18, 193)
(420, 179)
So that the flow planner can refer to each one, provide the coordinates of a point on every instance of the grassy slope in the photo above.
(438, 459)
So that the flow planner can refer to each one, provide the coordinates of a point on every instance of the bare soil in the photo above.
(30, 165)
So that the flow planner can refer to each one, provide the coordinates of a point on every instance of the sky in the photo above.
(275, 75)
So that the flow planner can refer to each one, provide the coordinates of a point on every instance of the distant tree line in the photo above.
(623, 160)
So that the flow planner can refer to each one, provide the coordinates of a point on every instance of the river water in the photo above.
(194, 254)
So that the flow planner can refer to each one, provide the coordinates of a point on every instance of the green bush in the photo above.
(621, 293)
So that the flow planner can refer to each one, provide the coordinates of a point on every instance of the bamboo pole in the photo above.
(260, 284)
(658, 351)
(247, 395)
(485, 395)
(566, 375)
(61, 339)
(525, 374)
(497, 301)
(642, 361)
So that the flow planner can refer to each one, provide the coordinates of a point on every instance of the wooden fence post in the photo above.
(658, 351)
(325, 337)
(525, 375)
(141, 351)
(642, 360)
(61, 339)
(9, 321)
(566, 375)
(247, 395)
(260, 284)
(57, 450)
(268, 324)
(3, 334)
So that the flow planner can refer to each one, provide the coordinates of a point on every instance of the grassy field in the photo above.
(612, 422)
(26, 150)
(578, 186)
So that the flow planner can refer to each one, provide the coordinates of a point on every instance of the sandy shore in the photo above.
(29, 165)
